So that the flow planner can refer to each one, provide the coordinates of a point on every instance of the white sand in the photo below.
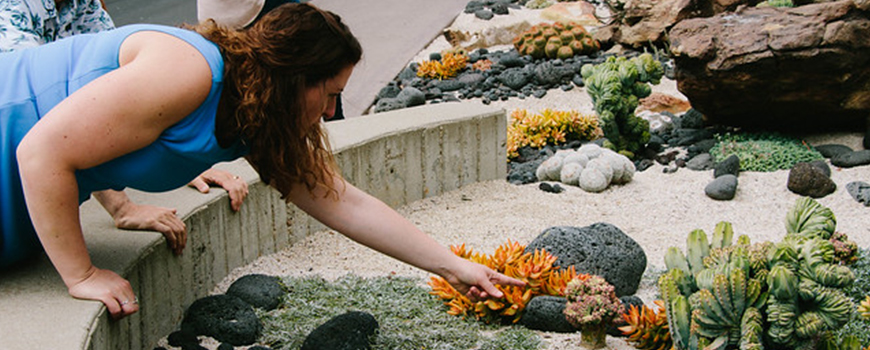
(658, 210)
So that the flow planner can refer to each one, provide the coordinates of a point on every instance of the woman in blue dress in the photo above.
(151, 107)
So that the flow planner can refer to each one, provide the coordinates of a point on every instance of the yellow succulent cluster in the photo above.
(646, 328)
(452, 62)
(536, 269)
(549, 127)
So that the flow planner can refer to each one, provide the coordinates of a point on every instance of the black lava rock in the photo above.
(471, 80)
(261, 291)
(348, 331)
(599, 249)
(643, 164)
(388, 104)
(182, 337)
(474, 6)
(702, 146)
(389, 91)
(411, 97)
(700, 162)
(545, 313)
(729, 166)
(692, 119)
(225, 318)
(832, 150)
(859, 190)
(823, 166)
(722, 188)
(852, 159)
(484, 14)
(546, 187)
(514, 78)
(807, 180)
(225, 346)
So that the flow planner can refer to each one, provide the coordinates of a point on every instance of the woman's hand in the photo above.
(147, 217)
(235, 186)
(131, 216)
(477, 281)
(108, 287)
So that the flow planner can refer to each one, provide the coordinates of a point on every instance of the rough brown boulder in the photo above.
(803, 68)
(645, 22)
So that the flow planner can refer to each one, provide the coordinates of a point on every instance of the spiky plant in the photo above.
(549, 127)
(451, 63)
(536, 269)
(647, 329)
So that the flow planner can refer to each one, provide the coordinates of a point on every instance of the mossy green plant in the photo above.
(408, 316)
(763, 152)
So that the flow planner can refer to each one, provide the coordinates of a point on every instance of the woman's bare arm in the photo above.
(161, 80)
(369, 221)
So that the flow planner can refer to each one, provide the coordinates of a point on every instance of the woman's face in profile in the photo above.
(321, 98)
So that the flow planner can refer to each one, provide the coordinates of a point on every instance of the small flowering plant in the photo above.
(592, 307)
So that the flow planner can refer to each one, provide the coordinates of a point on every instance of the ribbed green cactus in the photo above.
(810, 219)
(616, 86)
(753, 296)
(806, 296)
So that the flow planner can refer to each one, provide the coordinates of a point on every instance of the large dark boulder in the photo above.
(598, 249)
(802, 68)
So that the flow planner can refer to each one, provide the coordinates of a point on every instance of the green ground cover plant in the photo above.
(858, 290)
(763, 152)
(408, 316)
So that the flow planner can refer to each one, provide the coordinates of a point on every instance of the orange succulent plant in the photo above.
(536, 269)
(646, 328)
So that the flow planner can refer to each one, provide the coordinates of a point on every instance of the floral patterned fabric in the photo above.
(28, 23)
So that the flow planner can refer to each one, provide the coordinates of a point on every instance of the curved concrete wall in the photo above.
(399, 157)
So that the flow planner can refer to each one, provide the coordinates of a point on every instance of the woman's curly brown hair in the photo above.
(268, 67)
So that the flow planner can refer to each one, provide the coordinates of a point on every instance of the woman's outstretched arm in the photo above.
(371, 222)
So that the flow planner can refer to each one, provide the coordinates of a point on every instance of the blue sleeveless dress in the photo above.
(34, 80)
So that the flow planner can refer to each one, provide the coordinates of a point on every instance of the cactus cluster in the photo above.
(646, 328)
(616, 86)
(558, 40)
(452, 62)
(753, 296)
(536, 269)
(549, 127)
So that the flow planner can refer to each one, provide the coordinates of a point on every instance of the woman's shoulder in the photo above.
(174, 41)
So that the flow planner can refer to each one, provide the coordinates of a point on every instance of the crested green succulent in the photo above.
(616, 86)
(788, 295)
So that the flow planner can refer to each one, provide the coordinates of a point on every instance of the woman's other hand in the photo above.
(108, 287)
(131, 216)
(147, 217)
(235, 186)
(478, 282)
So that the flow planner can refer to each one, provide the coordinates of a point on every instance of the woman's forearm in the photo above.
(113, 201)
(371, 222)
(51, 193)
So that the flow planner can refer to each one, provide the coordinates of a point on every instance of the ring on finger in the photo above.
(125, 302)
